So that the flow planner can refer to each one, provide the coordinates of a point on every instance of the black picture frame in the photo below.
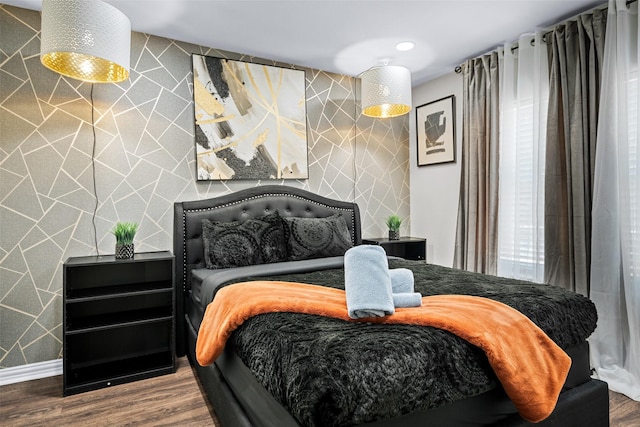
(435, 132)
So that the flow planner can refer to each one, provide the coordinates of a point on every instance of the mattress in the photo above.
(328, 378)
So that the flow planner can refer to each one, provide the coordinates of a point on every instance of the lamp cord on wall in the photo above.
(93, 170)
(355, 135)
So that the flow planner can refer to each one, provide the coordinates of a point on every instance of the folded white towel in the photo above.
(407, 299)
(367, 282)
(401, 280)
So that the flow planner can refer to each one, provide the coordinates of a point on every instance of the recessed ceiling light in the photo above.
(405, 46)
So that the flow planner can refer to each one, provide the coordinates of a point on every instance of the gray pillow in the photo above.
(317, 237)
(254, 241)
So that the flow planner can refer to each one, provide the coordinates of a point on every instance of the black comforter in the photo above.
(328, 372)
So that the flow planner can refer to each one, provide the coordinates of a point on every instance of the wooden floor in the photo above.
(169, 400)
(623, 412)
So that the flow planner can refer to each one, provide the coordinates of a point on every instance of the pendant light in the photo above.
(88, 40)
(386, 91)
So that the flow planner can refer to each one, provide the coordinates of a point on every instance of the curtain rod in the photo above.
(458, 68)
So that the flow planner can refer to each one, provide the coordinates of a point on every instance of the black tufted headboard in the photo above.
(240, 206)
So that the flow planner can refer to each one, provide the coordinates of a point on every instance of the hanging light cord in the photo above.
(93, 170)
(355, 135)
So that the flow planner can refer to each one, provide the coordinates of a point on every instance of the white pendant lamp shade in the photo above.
(386, 91)
(87, 40)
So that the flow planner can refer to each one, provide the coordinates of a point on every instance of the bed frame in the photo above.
(584, 404)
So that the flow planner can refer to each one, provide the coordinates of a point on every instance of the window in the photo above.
(521, 224)
(525, 94)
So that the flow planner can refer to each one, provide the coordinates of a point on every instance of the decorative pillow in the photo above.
(254, 241)
(317, 237)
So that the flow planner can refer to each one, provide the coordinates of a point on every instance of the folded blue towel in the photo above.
(367, 283)
(401, 280)
(407, 299)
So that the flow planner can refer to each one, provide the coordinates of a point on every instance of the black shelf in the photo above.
(86, 377)
(124, 290)
(119, 321)
(107, 367)
(94, 323)
(413, 248)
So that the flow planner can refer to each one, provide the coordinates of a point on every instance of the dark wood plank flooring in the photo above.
(623, 412)
(169, 400)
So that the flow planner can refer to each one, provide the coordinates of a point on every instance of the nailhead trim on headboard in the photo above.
(184, 251)
(256, 197)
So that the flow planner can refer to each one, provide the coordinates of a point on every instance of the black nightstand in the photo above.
(413, 248)
(118, 320)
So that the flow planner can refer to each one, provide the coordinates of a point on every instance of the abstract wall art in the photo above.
(250, 120)
(435, 126)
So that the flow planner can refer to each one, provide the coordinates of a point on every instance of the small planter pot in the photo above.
(394, 235)
(124, 251)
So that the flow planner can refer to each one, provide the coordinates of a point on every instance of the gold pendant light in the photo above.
(88, 40)
(386, 91)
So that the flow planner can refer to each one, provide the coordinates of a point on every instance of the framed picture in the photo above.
(435, 127)
(250, 120)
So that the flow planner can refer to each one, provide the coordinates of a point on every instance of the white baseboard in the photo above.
(32, 371)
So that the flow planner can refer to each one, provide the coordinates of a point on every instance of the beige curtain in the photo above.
(575, 56)
(477, 231)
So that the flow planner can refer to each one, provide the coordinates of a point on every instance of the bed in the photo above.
(291, 369)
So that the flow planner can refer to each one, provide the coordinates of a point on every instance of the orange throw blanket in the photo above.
(530, 366)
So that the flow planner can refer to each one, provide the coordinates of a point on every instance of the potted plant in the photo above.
(393, 224)
(124, 232)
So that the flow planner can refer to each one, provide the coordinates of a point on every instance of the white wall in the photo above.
(435, 189)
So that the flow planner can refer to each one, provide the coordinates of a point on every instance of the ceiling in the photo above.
(347, 36)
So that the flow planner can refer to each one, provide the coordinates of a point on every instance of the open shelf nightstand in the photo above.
(118, 320)
(413, 248)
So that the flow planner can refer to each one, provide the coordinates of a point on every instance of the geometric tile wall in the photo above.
(144, 161)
